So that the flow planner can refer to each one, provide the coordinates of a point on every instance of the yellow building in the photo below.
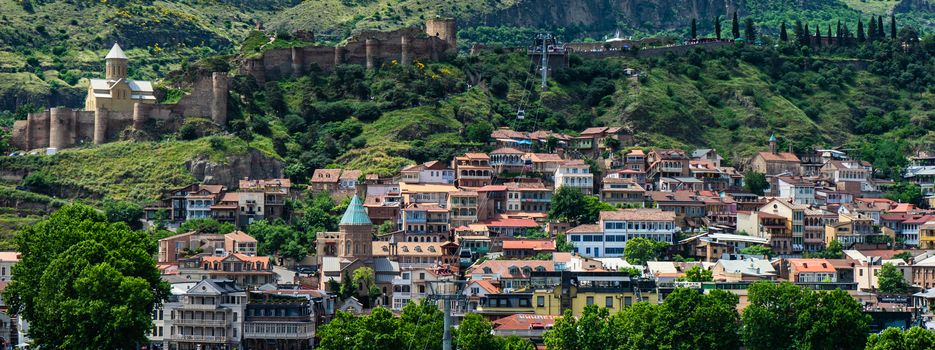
(116, 92)
(575, 291)
(927, 236)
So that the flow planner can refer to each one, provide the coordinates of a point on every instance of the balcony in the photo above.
(201, 338)
(199, 322)
(199, 306)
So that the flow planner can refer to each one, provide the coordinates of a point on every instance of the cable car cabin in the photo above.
(521, 114)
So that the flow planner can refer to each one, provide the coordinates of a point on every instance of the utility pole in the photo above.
(545, 62)
(447, 291)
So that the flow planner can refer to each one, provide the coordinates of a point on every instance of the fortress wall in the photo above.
(39, 129)
(322, 56)
(84, 127)
(20, 137)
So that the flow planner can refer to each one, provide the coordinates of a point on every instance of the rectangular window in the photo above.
(609, 301)
(540, 301)
(590, 301)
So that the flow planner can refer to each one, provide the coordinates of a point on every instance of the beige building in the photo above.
(116, 92)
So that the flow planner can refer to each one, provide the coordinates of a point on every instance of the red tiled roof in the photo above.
(638, 215)
(240, 236)
(523, 322)
(778, 157)
(534, 244)
(811, 265)
(502, 267)
(585, 229)
(506, 150)
(326, 175)
(511, 223)
(487, 286)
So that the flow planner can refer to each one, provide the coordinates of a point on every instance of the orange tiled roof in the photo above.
(639, 215)
(778, 157)
(811, 265)
(534, 244)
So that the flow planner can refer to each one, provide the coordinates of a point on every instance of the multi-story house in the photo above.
(185, 245)
(686, 183)
(240, 242)
(531, 197)
(712, 177)
(708, 155)
(921, 171)
(635, 160)
(383, 208)
(433, 172)
(556, 292)
(245, 270)
(795, 219)
(426, 193)
(748, 269)
(274, 321)
(190, 202)
(850, 229)
(227, 209)
(906, 226)
(209, 315)
(419, 254)
(275, 192)
(850, 176)
(415, 283)
(593, 141)
(666, 163)
(472, 170)
(812, 271)
(348, 180)
(686, 204)
(773, 227)
(775, 163)
(815, 222)
(510, 275)
(507, 160)
(426, 222)
(576, 174)
(609, 237)
(325, 180)
(464, 207)
(527, 248)
(711, 246)
(543, 163)
(927, 235)
(801, 191)
(624, 192)
(252, 205)
(637, 176)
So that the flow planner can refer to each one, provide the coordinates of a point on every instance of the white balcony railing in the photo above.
(199, 322)
(202, 338)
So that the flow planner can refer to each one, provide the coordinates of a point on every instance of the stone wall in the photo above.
(63, 127)
(367, 48)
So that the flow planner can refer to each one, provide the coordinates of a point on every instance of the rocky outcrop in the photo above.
(254, 165)
(907, 6)
(603, 16)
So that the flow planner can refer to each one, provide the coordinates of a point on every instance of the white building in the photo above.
(609, 237)
(207, 316)
(800, 191)
(577, 174)
(433, 172)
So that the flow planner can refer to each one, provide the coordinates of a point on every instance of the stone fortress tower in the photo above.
(117, 103)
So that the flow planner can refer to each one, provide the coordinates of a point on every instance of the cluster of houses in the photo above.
(482, 220)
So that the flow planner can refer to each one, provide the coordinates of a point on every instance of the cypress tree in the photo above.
(846, 37)
(750, 30)
(839, 34)
(694, 29)
(872, 31)
(717, 27)
(893, 26)
(818, 36)
(860, 31)
(829, 35)
(880, 32)
(735, 27)
(807, 39)
(782, 32)
(799, 32)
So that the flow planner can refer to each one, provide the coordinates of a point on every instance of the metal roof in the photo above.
(116, 52)
(355, 213)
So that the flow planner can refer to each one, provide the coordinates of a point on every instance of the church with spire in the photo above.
(117, 92)
(341, 253)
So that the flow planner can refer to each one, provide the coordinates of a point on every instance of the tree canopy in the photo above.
(755, 182)
(915, 338)
(84, 282)
(569, 204)
(891, 279)
(640, 250)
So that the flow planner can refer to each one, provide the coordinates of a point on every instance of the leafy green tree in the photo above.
(516, 343)
(834, 250)
(84, 282)
(699, 321)
(206, 225)
(904, 256)
(786, 316)
(562, 244)
(757, 250)
(892, 338)
(567, 205)
(476, 333)
(564, 333)
(905, 192)
(698, 274)
(479, 132)
(365, 279)
(279, 239)
(640, 250)
(130, 213)
(755, 182)
(891, 280)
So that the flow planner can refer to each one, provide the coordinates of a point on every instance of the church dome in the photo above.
(355, 213)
